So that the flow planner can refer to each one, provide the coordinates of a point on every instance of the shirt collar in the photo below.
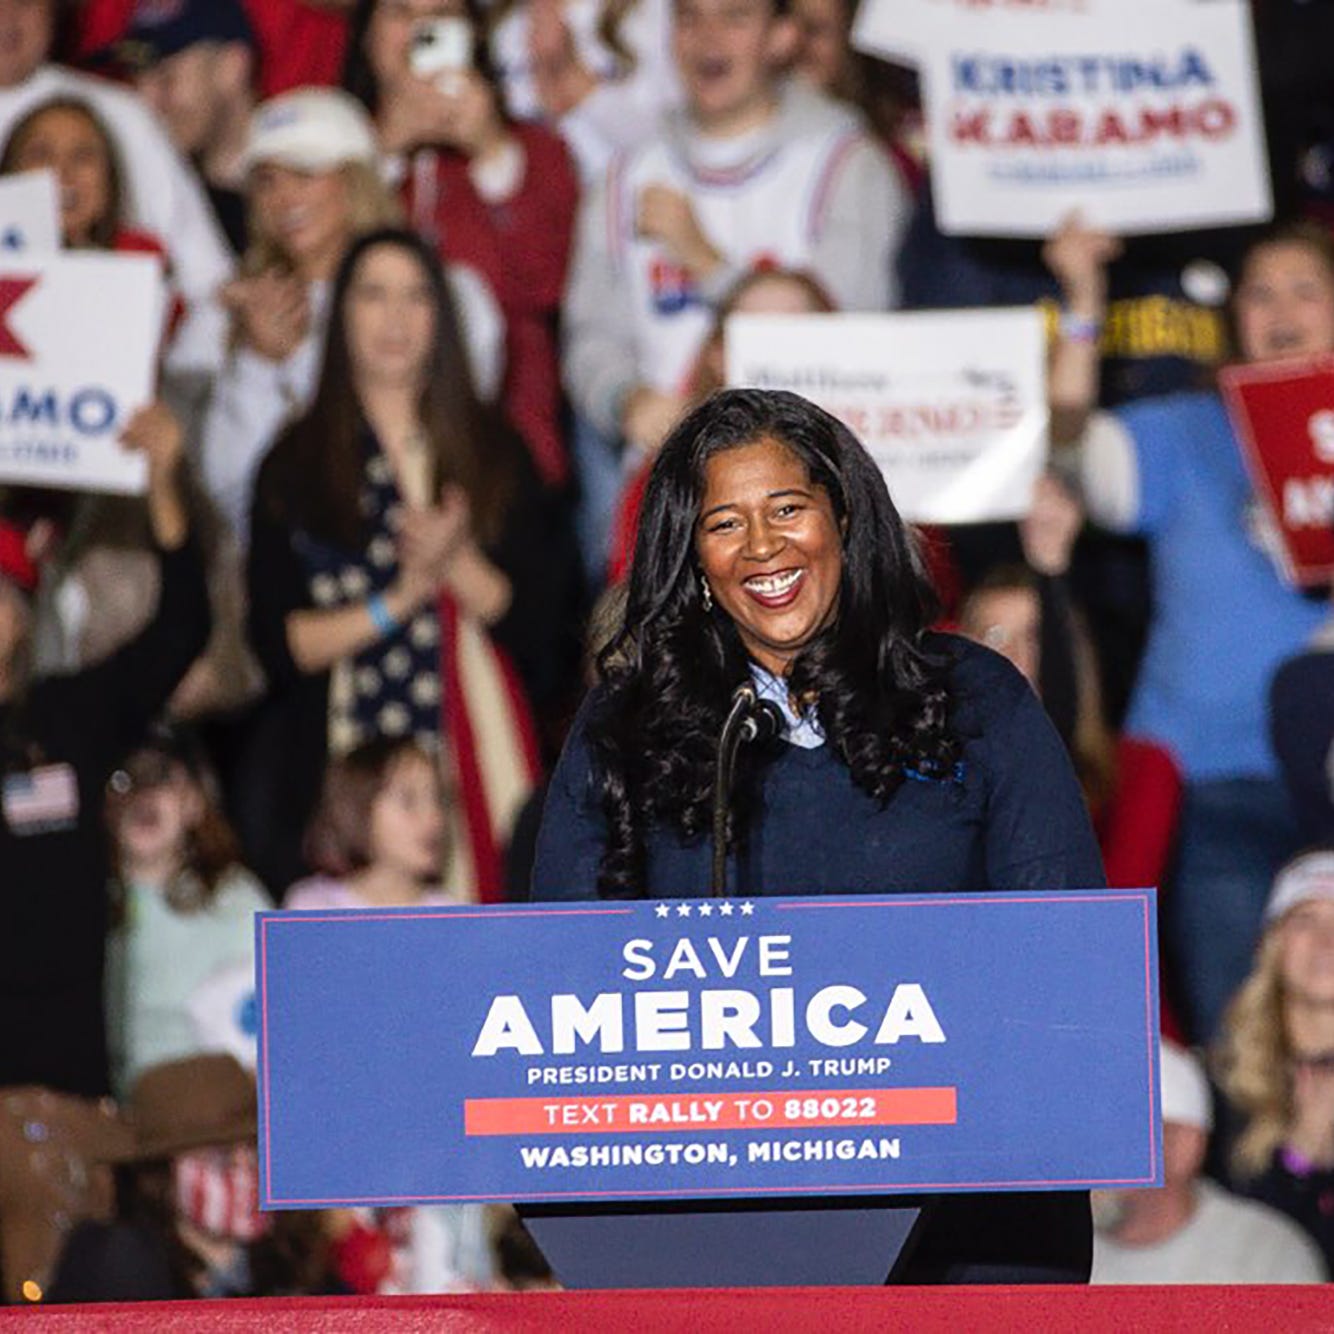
(800, 729)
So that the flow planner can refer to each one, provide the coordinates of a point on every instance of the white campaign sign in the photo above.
(79, 336)
(29, 213)
(951, 404)
(1142, 115)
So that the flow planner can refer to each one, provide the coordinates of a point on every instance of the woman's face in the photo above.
(769, 546)
(69, 144)
(1306, 959)
(389, 35)
(1285, 303)
(407, 832)
(306, 214)
(151, 823)
(1007, 620)
(389, 314)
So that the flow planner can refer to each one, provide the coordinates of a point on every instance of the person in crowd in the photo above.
(403, 554)
(182, 946)
(60, 740)
(187, 1218)
(770, 552)
(313, 187)
(885, 94)
(1301, 726)
(1189, 1229)
(163, 195)
(1275, 1055)
(379, 839)
(497, 194)
(754, 169)
(195, 65)
(66, 136)
(1163, 331)
(601, 72)
(1224, 618)
(300, 43)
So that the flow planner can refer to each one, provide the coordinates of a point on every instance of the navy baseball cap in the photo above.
(160, 29)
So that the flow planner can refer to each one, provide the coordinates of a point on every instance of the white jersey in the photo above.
(768, 211)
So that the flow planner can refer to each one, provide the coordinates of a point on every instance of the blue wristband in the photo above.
(381, 617)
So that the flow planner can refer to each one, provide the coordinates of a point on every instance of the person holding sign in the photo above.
(1171, 470)
(60, 739)
(770, 554)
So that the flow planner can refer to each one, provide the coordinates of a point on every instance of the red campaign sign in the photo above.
(1283, 415)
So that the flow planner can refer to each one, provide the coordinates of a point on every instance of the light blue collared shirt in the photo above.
(802, 729)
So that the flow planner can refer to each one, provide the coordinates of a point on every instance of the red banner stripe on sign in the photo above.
(763, 1110)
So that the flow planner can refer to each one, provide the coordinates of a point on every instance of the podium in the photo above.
(844, 1243)
(677, 1095)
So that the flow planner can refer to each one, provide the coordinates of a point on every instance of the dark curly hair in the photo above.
(668, 675)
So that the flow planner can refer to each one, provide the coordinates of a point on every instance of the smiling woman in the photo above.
(769, 551)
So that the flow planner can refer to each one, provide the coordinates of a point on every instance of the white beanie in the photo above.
(1308, 876)
(1185, 1090)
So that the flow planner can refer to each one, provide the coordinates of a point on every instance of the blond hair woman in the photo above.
(1275, 1060)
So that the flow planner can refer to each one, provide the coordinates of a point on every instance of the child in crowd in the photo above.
(380, 840)
(379, 834)
(755, 171)
(180, 971)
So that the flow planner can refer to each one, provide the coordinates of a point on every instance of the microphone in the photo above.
(749, 719)
(765, 720)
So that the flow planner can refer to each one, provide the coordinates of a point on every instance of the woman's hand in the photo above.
(471, 120)
(415, 112)
(428, 542)
(1048, 531)
(271, 311)
(155, 433)
(1078, 257)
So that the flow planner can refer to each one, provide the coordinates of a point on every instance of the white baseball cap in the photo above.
(1307, 876)
(1185, 1091)
(311, 129)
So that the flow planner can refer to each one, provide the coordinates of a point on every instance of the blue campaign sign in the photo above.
(693, 1049)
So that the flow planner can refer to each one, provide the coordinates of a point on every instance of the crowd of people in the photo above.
(444, 275)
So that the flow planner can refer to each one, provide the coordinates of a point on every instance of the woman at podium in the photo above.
(769, 553)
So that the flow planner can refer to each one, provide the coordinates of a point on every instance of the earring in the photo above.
(705, 593)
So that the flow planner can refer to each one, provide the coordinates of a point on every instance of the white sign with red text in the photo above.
(29, 213)
(951, 404)
(79, 337)
(1142, 115)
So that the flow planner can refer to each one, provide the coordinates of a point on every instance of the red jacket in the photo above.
(522, 248)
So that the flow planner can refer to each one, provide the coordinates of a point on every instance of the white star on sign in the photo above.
(683, 910)
(706, 910)
(747, 910)
(725, 908)
(662, 910)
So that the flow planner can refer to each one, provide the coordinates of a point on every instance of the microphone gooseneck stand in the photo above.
(749, 718)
